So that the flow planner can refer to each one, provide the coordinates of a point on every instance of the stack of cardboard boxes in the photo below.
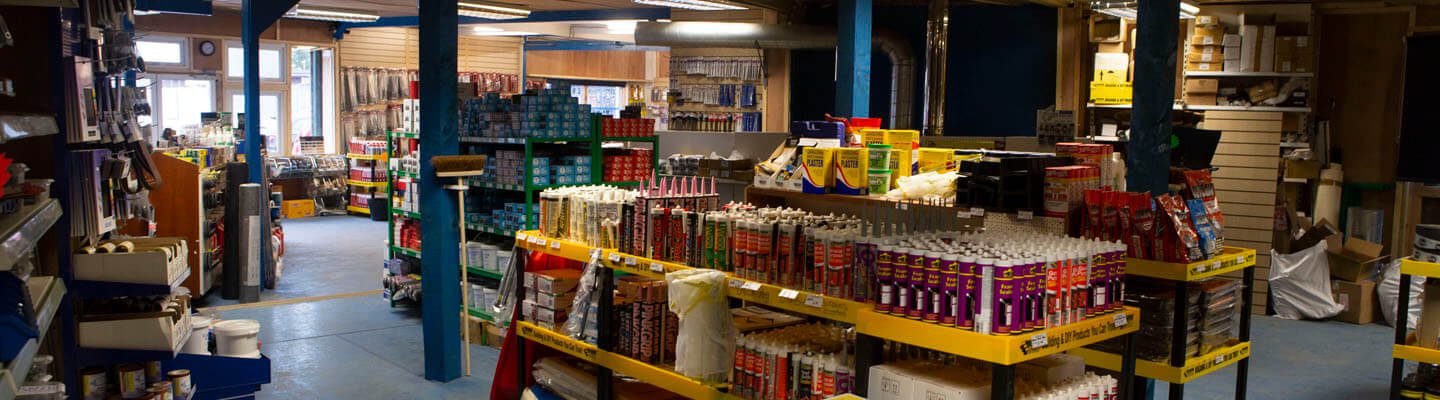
(1257, 48)
(548, 296)
(1354, 267)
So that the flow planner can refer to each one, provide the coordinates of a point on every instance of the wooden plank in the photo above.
(1362, 90)
(1226, 160)
(1260, 247)
(1248, 149)
(1246, 185)
(1250, 210)
(1246, 234)
(1246, 173)
(1249, 137)
(1264, 199)
(1244, 115)
(1242, 125)
(1240, 221)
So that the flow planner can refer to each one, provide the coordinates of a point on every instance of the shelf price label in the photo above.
(1215, 266)
(522, 237)
(977, 211)
(735, 283)
(1025, 215)
(657, 268)
(555, 245)
(751, 285)
(962, 214)
(631, 261)
(1219, 359)
(1039, 340)
(615, 258)
(1121, 319)
(814, 300)
(789, 294)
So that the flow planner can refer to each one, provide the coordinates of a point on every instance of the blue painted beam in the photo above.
(588, 45)
(852, 80)
(440, 311)
(1148, 159)
(192, 7)
(256, 17)
(648, 14)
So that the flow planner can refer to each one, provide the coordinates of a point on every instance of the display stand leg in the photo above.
(1179, 335)
(1127, 366)
(1002, 382)
(1402, 323)
(868, 352)
(604, 377)
(517, 279)
(1247, 297)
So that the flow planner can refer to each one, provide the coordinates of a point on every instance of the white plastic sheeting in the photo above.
(1390, 294)
(705, 346)
(1300, 284)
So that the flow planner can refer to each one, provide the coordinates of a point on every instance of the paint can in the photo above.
(152, 372)
(132, 380)
(92, 383)
(238, 338)
(180, 382)
(199, 342)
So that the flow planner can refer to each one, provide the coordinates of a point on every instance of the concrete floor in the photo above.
(360, 348)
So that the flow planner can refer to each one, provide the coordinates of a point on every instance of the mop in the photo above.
(461, 167)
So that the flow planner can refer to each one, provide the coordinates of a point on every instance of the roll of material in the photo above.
(1428, 231)
(1427, 256)
(251, 199)
(1327, 196)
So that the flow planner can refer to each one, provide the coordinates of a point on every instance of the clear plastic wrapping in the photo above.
(582, 315)
(705, 348)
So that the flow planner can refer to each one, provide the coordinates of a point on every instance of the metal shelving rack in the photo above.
(1182, 368)
(375, 161)
(393, 141)
(1005, 352)
(1405, 349)
(654, 142)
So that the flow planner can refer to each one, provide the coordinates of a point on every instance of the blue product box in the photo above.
(540, 161)
(579, 160)
(540, 180)
(564, 179)
(582, 170)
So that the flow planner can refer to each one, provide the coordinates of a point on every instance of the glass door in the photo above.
(270, 115)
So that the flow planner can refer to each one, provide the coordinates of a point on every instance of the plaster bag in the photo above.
(705, 344)
(1300, 284)
(1389, 292)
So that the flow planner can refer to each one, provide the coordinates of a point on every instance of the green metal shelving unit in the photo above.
(392, 141)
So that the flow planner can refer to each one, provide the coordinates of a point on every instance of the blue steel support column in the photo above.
(852, 80)
(256, 17)
(1148, 160)
(439, 32)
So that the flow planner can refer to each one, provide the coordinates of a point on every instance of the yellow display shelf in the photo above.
(813, 304)
(1415, 267)
(358, 209)
(660, 377)
(370, 157)
(1417, 354)
(368, 184)
(998, 349)
(1195, 367)
(1230, 260)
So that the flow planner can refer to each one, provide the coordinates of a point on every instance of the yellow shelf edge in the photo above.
(1416, 353)
(358, 209)
(1411, 266)
(367, 184)
(1195, 367)
(996, 349)
(832, 308)
(367, 157)
(663, 378)
(1232, 259)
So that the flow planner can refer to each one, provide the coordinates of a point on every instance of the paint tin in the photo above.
(851, 164)
(815, 169)
(92, 383)
(132, 380)
(180, 382)
(157, 393)
(152, 372)
(878, 181)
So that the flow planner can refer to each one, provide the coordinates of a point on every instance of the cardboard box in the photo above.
(1198, 40)
(1231, 40)
(1427, 329)
(1202, 99)
(1355, 260)
(142, 266)
(1358, 299)
(1231, 65)
(1205, 66)
(1206, 21)
(1302, 169)
(298, 208)
(1249, 48)
(554, 281)
(1212, 34)
(1193, 85)
(157, 331)
(1267, 49)
(1111, 67)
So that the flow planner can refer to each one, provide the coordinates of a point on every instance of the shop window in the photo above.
(272, 61)
(312, 98)
(270, 116)
(603, 99)
(164, 51)
(176, 103)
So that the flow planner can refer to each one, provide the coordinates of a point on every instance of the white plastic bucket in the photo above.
(238, 338)
(199, 342)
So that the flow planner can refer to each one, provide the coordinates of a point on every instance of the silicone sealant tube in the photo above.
(901, 264)
(949, 288)
(985, 311)
(969, 296)
(884, 278)
(919, 300)
(1004, 298)
(933, 281)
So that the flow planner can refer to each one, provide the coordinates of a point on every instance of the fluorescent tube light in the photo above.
(330, 14)
(1130, 9)
(699, 5)
(492, 11)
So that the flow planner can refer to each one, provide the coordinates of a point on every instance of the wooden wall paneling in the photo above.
(1226, 160)
(1248, 137)
(1246, 185)
(1360, 89)
(1242, 221)
(1264, 199)
(1244, 115)
(1072, 46)
(1245, 173)
(1243, 125)
(777, 93)
(489, 54)
(598, 65)
(378, 48)
(1248, 149)
(1247, 234)
(1260, 247)
(178, 210)
(1250, 210)
(226, 24)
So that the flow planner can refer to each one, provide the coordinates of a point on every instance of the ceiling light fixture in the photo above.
(1130, 9)
(507, 33)
(484, 29)
(698, 5)
(620, 27)
(492, 11)
(331, 14)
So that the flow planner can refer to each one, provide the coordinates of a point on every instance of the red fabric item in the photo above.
(502, 386)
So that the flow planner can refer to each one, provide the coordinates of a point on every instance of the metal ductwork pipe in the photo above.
(771, 36)
(937, 36)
